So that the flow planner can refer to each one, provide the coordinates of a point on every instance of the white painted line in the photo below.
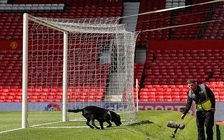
(2, 132)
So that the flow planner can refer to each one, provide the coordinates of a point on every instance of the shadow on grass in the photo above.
(141, 123)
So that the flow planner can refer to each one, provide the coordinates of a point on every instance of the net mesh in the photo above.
(100, 68)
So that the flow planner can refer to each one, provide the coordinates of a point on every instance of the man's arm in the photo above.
(187, 108)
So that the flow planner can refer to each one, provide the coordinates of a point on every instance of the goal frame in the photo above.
(124, 39)
(27, 17)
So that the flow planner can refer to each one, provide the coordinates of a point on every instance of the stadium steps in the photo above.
(130, 8)
(152, 21)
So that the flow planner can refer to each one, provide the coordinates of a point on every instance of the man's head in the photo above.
(192, 84)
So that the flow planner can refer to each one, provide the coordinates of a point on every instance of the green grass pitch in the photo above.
(150, 125)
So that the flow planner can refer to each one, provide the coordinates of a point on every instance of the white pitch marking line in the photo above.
(2, 132)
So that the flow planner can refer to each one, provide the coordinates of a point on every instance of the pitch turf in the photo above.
(150, 125)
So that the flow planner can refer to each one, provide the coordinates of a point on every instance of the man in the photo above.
(205, 104)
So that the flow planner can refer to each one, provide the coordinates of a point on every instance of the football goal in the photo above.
(74, 63)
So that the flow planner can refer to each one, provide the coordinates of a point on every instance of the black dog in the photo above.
(102, 115)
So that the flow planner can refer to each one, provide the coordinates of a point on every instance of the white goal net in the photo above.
(74, 63)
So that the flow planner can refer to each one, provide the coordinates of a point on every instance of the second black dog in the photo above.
(102, 115)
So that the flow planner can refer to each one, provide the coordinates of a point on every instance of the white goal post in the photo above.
(73, 63)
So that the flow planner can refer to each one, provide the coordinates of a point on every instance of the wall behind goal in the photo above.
(152, 44)
(185, 44)
(11, 45)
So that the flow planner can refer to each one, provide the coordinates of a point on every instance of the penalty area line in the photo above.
(11, 130)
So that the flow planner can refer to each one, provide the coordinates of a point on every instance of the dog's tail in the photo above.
(75, 110)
